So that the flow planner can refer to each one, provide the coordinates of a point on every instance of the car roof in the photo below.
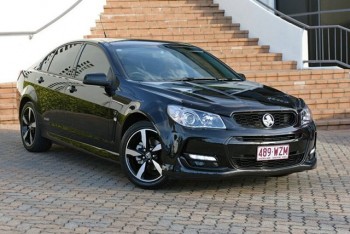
(133, 41)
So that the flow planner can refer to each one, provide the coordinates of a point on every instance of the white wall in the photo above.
(282, 36)
(19, 52)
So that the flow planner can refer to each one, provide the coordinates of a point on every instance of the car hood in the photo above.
(224, 97)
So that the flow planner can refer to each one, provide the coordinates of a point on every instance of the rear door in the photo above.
(90, 116)
(52, 81)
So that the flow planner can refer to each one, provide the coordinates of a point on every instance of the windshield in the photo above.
(170, 63)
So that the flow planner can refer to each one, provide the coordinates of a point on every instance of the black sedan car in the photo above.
(163, 110)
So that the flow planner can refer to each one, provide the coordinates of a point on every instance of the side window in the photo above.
(64, 58)
(92, 60)
(46, 62)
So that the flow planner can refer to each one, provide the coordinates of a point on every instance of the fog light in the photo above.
(312, 154)
(202, 157)
(313, 151)
(199, 163)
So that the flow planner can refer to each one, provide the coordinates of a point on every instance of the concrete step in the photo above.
(330, 103)
(333, 124)
(199, 2)
(132, 17)
(180, 34)
(312, 94)
(227, 50)
(8, 108)
(172, 24)
(185, 10)
(160, 3)
(261, 66)
(232, 57)
(151, 9)
(297, 75)
(8, 119)
(7, 87)
(329, 114)
(8, 97)
(201, 42)
(175, 37)
(8, 103)
(314, 85)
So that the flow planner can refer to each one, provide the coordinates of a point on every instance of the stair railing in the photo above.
(32, 33)
(330, 43)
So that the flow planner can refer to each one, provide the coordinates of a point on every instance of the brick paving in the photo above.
(66, 191)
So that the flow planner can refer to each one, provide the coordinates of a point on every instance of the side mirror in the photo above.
(98, 79)
(242, 76)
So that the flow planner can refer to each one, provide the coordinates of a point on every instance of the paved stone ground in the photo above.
(65, 191)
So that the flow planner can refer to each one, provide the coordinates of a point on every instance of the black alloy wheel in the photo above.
(30, 130)
(141, 156)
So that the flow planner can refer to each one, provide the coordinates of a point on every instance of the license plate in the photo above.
(275, 152)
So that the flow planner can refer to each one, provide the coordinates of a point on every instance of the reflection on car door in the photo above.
(90, 118)
(52, 82)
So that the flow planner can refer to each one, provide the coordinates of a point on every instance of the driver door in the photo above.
(90, 116)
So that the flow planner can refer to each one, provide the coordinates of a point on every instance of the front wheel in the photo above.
(141, 156)
(30, 130)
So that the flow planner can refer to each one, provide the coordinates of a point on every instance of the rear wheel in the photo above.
(141, 156)
(30, 130)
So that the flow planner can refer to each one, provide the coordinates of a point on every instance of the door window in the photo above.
(46, 62)
(63, 59)
(92, 60)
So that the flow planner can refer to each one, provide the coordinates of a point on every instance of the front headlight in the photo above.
(195, 118)
(306, 115)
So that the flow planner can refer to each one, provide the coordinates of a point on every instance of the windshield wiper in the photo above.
(194, 78)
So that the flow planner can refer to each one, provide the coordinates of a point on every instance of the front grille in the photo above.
(254, 120)
(269, 138)
(249, 162)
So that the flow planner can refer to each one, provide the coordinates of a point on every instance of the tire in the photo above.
(141, 156)
(30, 130)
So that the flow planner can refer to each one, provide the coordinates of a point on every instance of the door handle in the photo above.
(72, 88)
(40, 80)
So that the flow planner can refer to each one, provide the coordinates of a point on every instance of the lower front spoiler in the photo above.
(183, 170)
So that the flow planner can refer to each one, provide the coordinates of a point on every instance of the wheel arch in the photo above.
(131, 120)
(28, 95)
(23, 101)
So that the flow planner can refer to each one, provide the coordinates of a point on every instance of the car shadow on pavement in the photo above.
(72, 168)
(106, 174)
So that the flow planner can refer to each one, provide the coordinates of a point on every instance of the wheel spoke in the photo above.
(25, 135)
(30, 115)
(31, 137)
(132, 152)
(157, 166)
(25, 121)
(157, 148)
(141, 171)
(144, 138)
(33, 125)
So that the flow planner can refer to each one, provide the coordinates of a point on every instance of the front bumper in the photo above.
(236, 153)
